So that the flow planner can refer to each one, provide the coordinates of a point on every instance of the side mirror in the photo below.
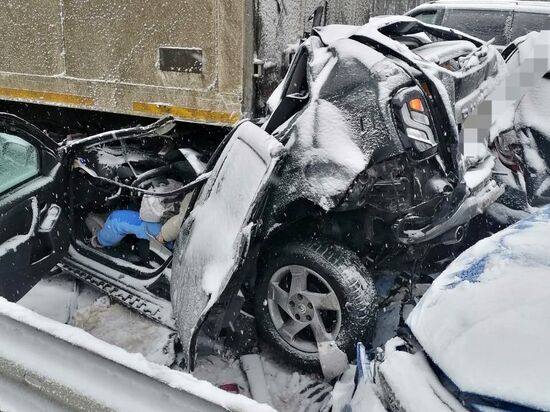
(317, 18)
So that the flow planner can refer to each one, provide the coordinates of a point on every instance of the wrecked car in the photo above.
(477, 340)
(371, 117)
(358, 166)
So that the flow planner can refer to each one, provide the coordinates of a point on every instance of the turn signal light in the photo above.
(416, 105)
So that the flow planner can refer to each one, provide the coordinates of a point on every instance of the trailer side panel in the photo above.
(106, 55)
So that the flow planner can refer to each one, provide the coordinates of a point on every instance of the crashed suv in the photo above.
(358, 166)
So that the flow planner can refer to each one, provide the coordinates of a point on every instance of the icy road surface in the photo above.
(66, 300)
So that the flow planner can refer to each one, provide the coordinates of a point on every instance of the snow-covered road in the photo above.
(66, 300)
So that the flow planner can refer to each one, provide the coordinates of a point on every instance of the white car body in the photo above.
(481, 331)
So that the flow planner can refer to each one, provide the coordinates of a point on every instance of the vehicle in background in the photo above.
(503, 20)
(478, 338)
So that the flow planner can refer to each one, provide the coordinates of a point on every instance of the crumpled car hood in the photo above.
(485, 321)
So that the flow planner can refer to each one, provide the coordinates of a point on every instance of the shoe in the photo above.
(94, 223)
(95, 243)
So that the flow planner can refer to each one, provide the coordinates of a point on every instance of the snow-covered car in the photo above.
(478, 338)
(358, 166)
(372, 118)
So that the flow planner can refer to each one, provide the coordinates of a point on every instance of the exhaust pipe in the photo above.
(453, 236)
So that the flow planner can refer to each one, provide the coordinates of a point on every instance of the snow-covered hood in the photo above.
(485, 321)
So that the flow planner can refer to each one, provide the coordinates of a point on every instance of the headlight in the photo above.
(414, 122)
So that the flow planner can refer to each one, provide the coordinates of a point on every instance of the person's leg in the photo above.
(121, 223)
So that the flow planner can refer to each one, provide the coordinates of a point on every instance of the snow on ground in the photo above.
(86, 385)
(117, 325)
(65, 300)
(289, 391)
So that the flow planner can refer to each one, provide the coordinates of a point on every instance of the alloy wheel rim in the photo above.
(303, 307)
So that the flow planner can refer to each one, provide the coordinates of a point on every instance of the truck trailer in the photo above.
(65, 63)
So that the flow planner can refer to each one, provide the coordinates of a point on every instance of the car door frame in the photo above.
(29, 249)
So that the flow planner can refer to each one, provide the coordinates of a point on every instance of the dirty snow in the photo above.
(118, 326)
(288, 390)
(134, 361)
(54, 297)
(65, 300)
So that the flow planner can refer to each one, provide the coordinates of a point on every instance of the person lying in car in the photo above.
(160, 217)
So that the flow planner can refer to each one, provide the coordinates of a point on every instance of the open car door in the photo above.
(34, 228)
(215, 237)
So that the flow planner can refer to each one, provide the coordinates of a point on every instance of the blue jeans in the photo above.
(121, 223)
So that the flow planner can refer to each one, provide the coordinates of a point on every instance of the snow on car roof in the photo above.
(525, 6)
(485, 321)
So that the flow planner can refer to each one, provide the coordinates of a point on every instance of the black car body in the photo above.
(359, 160)
(400, 166)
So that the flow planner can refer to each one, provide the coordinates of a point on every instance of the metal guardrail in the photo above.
(44, 369)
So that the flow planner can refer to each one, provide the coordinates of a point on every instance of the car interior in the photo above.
(135, 162)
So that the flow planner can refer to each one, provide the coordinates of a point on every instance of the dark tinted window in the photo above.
(528, 22)
(484, 24)
(426, 16)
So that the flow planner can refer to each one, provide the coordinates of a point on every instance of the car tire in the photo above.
(331, 270)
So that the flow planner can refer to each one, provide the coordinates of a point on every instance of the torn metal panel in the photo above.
(216, 235)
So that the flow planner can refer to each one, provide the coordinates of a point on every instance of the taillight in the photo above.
(509, 151)
(414, 122)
